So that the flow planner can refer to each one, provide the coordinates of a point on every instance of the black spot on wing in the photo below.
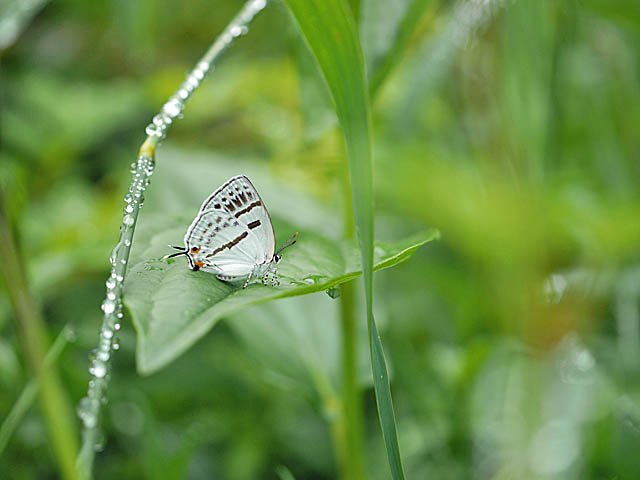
(248, 208)
(230, 244)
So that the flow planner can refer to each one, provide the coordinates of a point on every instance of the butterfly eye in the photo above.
(277, 258)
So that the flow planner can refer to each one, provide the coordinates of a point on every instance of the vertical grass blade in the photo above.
(381, 66)
(330, 30)
(28, 396)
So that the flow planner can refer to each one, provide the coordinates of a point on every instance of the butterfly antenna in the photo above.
(181, 252)
(175, 255)
(288, 243)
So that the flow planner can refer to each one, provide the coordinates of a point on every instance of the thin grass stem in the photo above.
(28, 395)
(353, 465)
(56, 407)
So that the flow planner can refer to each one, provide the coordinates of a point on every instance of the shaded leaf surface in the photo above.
(172, 306)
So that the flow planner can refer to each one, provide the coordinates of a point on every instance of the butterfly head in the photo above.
(195, 266)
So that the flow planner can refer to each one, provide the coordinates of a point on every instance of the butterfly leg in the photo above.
(246, 282)
(275, 281)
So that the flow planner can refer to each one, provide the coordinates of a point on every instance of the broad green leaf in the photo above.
(172, 306)
(297, 341)
(330, 30)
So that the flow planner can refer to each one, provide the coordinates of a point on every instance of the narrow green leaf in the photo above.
(330, 30)
(28, 396)
(386, 28)
(172, 307)
(284, 473)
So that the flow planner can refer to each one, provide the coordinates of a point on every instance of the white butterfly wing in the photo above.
(218, 243)
(239, 198)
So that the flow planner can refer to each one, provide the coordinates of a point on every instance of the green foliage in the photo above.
(172, 306)
(512, 342)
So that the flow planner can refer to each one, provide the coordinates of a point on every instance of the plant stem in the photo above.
(352, 405)
(142, 169)
(55, 406)
(30, 391)
(351, 392)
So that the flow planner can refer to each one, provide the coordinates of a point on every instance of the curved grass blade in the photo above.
(332, 35)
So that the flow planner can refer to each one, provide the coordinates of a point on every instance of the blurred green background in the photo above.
(512, 126)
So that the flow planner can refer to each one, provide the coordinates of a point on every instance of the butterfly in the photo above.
(232, 236)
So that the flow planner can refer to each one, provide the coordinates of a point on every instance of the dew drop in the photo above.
(107, 333)
(119, 278)
(116, 326)
(111, 283)
(128, 220)
(111, 296)
(127, 242)
(173, 107)
(103, 356)
(71, 335)
(116, 344)
(99, 444)
(99, 369)
(128, 198)
(192, 81)
(199, 74)
(153, 131)
(333, 292)
(108, 306)
(85, 412)
(158, 121)
(119, 315)
(129, 208)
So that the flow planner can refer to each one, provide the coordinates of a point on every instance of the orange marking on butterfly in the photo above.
(195, 249)
(199, 264)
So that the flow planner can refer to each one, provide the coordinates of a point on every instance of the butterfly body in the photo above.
(232, 235)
